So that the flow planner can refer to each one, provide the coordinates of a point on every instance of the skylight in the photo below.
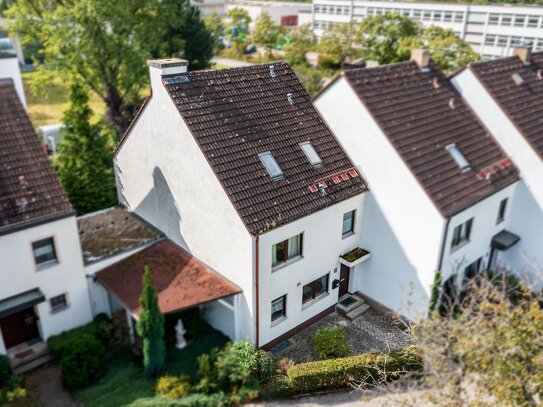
(271, 165)
(458, 157)
(311, 154)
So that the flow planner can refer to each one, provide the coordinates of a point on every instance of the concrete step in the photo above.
(344, 310)
(355, 313)
(33, 364)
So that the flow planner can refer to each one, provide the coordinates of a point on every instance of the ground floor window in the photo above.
(314, 289)
(279, 308)
(59, 302)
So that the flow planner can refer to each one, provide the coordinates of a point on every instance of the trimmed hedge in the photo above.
(337, 373)
(83, 361)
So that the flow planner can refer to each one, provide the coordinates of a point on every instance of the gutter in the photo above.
(25, 224)
(257, 310)
(444, 241)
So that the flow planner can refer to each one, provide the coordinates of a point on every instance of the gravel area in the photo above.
(46, 383)
(371, 332)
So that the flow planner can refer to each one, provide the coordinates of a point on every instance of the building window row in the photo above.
(515, 20)
(418, 14)
(332, 9)
(503, 41)
(323, 25)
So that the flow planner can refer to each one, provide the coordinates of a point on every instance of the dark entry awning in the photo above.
(19, 302)
(504, 240)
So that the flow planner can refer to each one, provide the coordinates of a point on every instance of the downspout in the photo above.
(442, 254)
(257, 311)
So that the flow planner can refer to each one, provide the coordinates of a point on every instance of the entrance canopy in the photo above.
(504, 240)
(19, 302)
(180, 280)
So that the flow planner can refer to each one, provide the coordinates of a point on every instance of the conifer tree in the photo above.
(150, 328)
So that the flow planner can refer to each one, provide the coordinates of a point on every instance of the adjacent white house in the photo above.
(441, 187)
(506, 94)
(43, 290)
(237, 168)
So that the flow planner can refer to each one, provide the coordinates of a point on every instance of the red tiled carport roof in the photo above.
(180, 280)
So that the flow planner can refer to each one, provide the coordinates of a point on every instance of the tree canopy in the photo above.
(237, 24)
(266, 33)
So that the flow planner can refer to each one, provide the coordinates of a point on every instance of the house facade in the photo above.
(441, 187)
(236, 167)
(44, 290)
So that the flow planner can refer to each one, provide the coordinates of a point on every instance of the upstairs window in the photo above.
(458, 157)
(44, 251)
(501, 211)
(271, 165)
(311, 154)
(461, 233)
(348, 223)
(494, 19)
(286, 250)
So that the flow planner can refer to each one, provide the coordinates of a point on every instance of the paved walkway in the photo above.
(46, 383)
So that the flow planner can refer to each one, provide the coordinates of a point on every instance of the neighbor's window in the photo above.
(287, 249)
(315, 289)
(279, 308)
(461, 233)
(59, 302)
(44, 251)
(348, 223)
(501, 211)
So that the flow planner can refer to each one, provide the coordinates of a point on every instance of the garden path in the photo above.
(46, 383)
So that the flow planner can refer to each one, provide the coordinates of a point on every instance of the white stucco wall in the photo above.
(276, 10)
(322, 246)
(18, 273)
(9, 68)
(402, 227)
(163, 176)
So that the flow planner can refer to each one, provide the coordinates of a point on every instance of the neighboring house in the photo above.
(237, 168)
(9, 67)
(208, 7)
(43, 290)
(282, 13)
(507, 95)
(441, 187)
(492, 30)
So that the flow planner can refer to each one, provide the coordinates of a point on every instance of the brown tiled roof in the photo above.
(235, 114)
(522, 103)
(29, 188)
(413, 108)
(110, 231)
(180, 280)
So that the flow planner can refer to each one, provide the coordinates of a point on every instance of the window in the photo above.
(502, 41)
(286, 250)
(516, 41)
(59, 302)
(427, 16)
(533, 21)
(507, 19)
(279, 308)
(436, 16)
(315, 289)
(311, 154)
(472, 270)
(520, 21)
(458, 17)
(494, 19)
(447, 17)
(271, 165)
(490, 39)
(44, 251)
(406, 13)
(458, 157)
(461, 233)
(501, 210)
(348, 223)
(417, 14)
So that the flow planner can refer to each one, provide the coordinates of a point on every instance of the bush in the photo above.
(5, 370)
(329, 61)
(83, 361)
(368, 368)
(259, 363)
(173, 387)
(330, 342)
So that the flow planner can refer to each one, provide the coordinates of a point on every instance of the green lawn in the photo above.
(125, 384)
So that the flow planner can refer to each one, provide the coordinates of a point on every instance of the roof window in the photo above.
(271, 165)
(311, 154)
(458, 157)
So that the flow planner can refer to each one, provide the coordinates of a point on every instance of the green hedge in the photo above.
(337, 373)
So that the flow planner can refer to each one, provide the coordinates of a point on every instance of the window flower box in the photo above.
(354, 257)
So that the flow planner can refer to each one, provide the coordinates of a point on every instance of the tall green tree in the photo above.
(150, 328)
(84, 163)
(381, 36)
(266, 33)
(338, 40)
(237, 25)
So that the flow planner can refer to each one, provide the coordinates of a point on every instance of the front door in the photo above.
(19, 327)
(344, 272)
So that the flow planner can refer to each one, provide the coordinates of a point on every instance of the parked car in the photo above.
(50, 136)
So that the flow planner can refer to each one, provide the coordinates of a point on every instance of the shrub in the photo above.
(283, 365)
(366, 368)
(5, 370)
(329, 61)
(173, 387)
(331, 342)
(83, 361)
(259, 363)
(311, 79)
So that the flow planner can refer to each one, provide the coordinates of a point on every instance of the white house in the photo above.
(237, 168)
(441, 187)
(43, 290)
(9, 68)
(506, 94)
(283, 13)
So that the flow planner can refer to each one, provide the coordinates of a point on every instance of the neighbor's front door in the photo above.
(19, 327)
(344, 272)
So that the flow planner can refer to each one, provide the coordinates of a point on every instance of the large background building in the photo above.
(492, 30)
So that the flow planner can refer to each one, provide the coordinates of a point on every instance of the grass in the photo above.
(48, 106)
(125, 384)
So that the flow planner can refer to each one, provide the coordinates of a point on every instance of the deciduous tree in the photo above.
(266, 33)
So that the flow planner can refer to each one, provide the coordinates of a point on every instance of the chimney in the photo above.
(421, 57)
(524, 53)
(160, 67)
